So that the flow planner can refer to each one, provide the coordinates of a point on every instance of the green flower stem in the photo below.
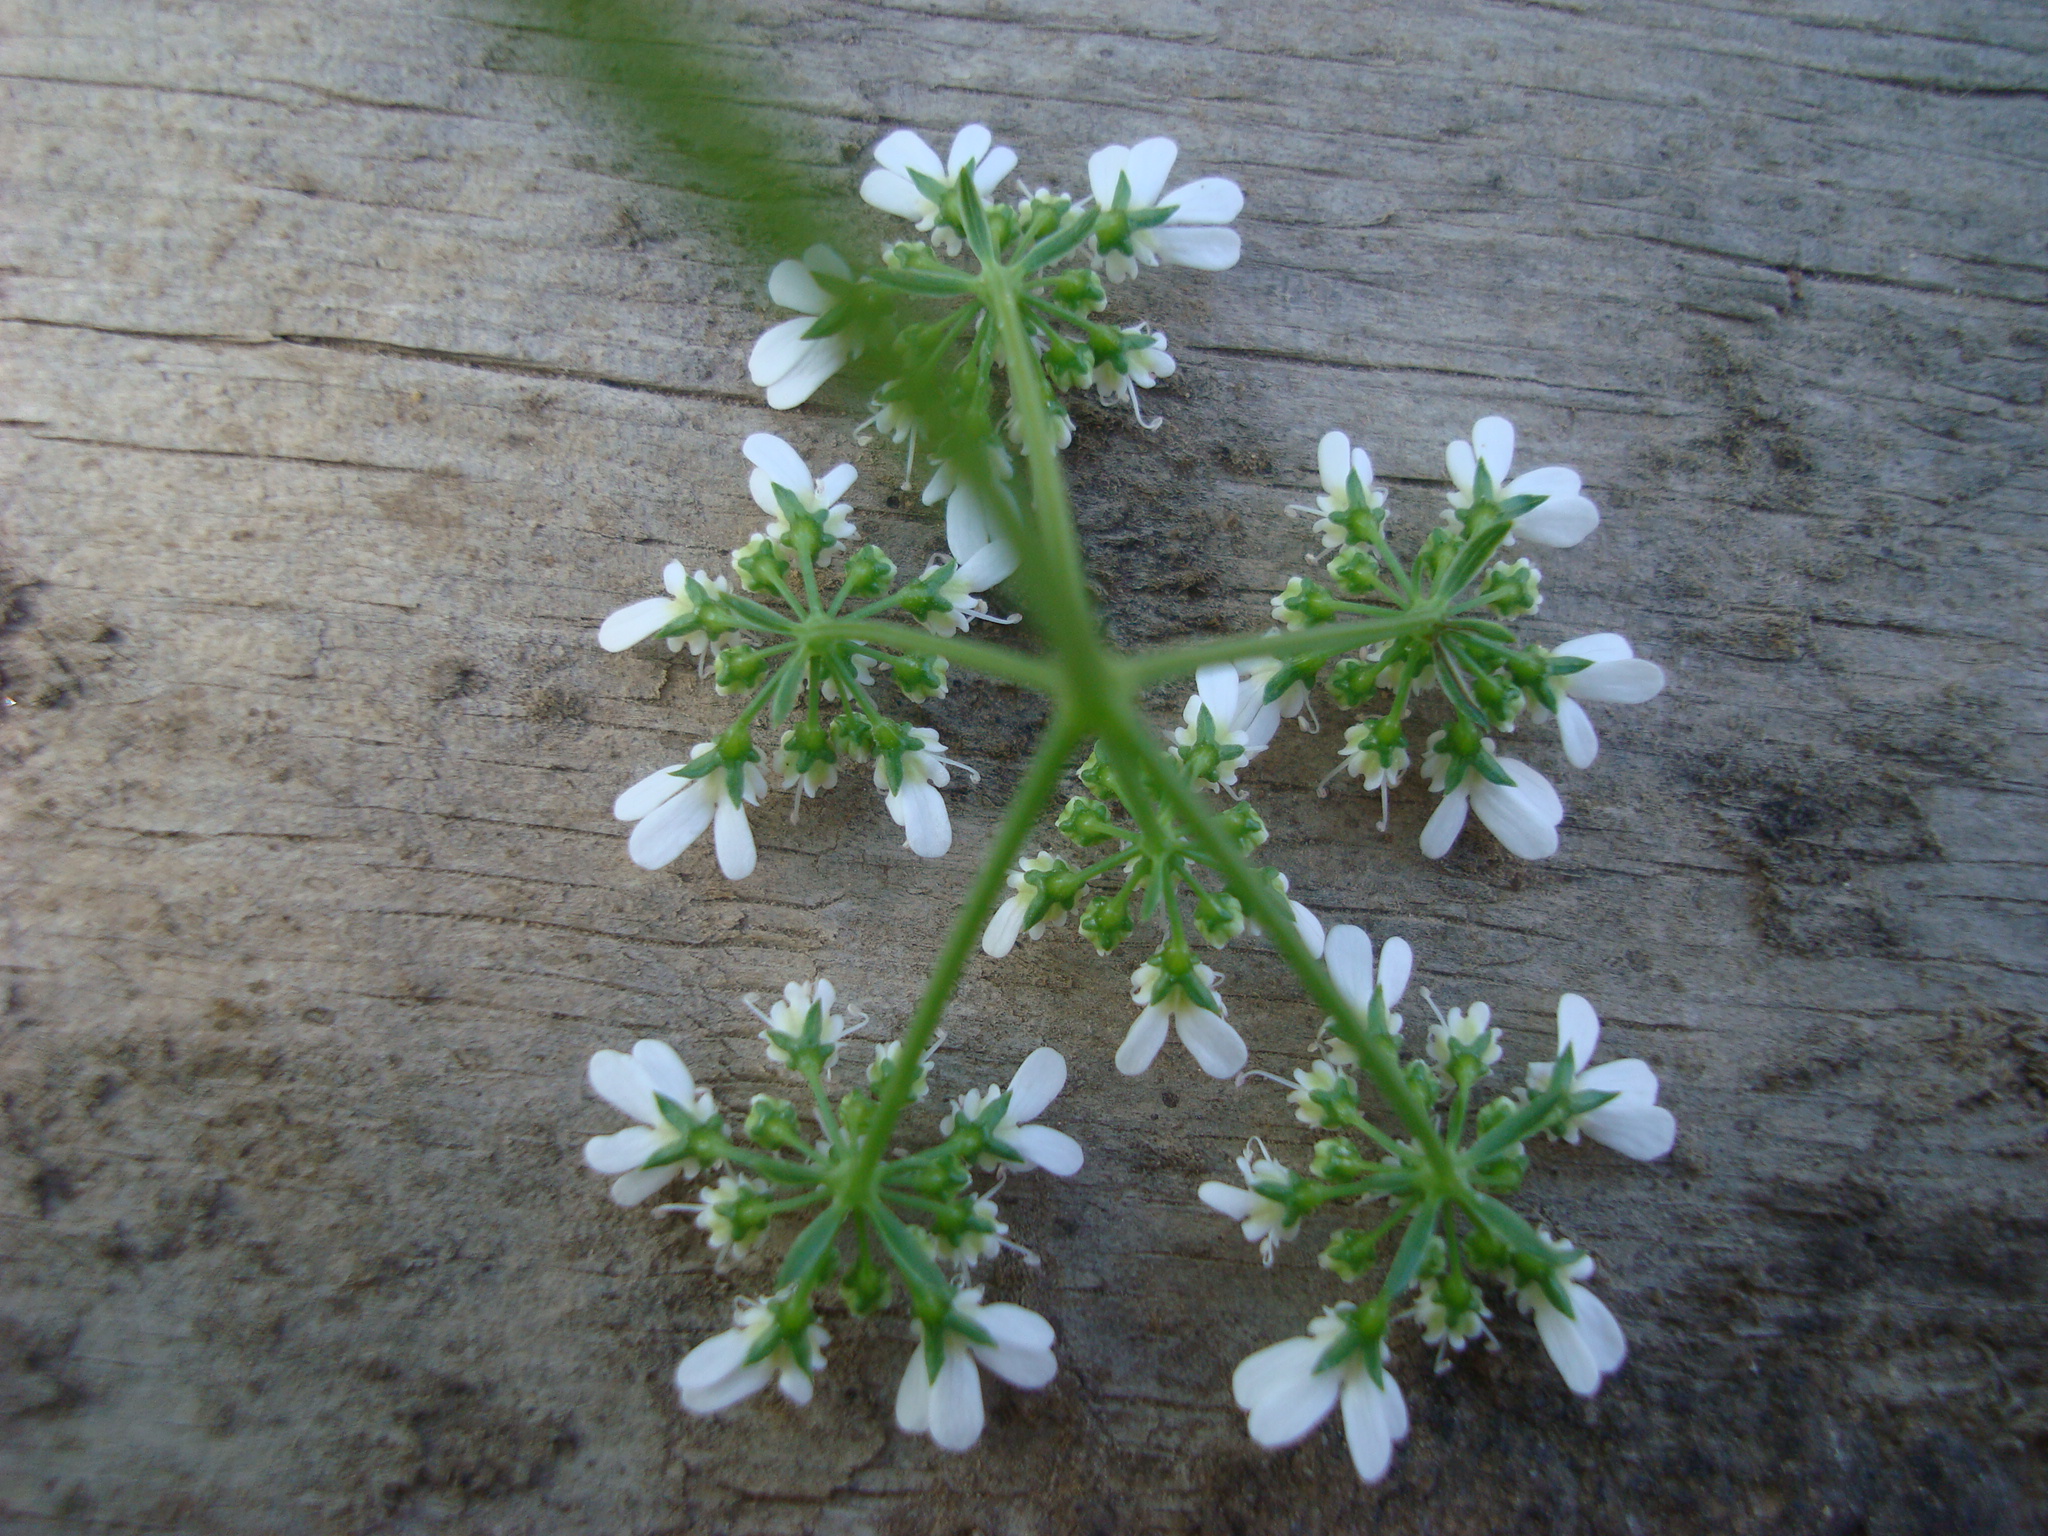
(1060, 738)
(827, 1121)
(976, 655)
(771, 1167)
(1164, 663)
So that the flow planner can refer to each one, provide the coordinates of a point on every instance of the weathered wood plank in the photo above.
(356, 366)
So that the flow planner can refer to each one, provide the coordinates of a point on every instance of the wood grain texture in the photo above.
(357, 364)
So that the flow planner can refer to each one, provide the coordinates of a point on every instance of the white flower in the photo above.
(1524, 818)
(1441, 1326)
(1136, 368)
(1617, 676)
(1261, 1218)
(886, 1056)
(980, 560)
(1632, 1123)
(1585, 1346)
(1563, 518)
(715, 1214)
(789, 1019)
(822, 774)
(973, 1244)
(785, 362)
(630, 1085)
(1258, 674)
(672, 813)
(1000, 937)
(892, 188)
(1217, 1048)
(1287, 1395)
(629, 625)
(715, 1374)
(1365, 760)
(916, 805)
(1348, 954)
(1468, 1031)
(1239, 716)
(1192, 237)
(1336, 460)
(949, 1409)
(776, 463)
(1032, 1089)
(1306, 923)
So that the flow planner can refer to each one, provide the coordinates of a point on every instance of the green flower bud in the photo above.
(762, 566)
(1356, 569)
(1106, 921)
(1353, 683)
(740, 668)
(1338, 1161)
(1086, 822)
(867, 1287)
(1512, 590)
(1096, 775)
(1243, 823)
(1218, 919)
(1350, 1254)
(1079, 288)
(920, 677)
(869, 573)
(772, 1123)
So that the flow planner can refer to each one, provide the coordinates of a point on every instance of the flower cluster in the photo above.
(1461, 599)
(1130, 220)
(1452, 1239)
(779, 640)
(1160, 873)
(918, 1216)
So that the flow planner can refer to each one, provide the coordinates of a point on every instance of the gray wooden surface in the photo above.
(356, 365)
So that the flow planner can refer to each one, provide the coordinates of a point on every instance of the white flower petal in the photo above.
(1633, 1127)
(970, 143)
(1012, 1326)
(1211, 200)
(1201, 247)
(1447, 821)
(824, 359)
(660, 836)
(1283, 1418)
(1578, 1026)
(956, 1401)
(1236, 1202)
(1397, 964)
(634, 1186)
(904, 150)
(1618, 682)
(1333, 462)
(836, 483)
(734, 840)
(1104, 166)
(1395, 1407)
(1493, 439)
(1539, 790)
(713, 1360)
(1217, 1048)
(1000, 937)
(665, 1071)
(1054, 1151)
(1365, 1428)
(920, 811)
(1575, 731)
(617, 1079)
(1150, 164)
(1141, 1044)
(991, 563)
(1513, 818)
(1462, 463)
(623, 1151)
(914, 1396)
(1568, 1352)
(795, 1385)
(727, 1390)
(1216, 686)
(793, 286)
(1631, 1077)
(657, 788)
(969, 527)
(1348, 954)
(990, 170)
(1598, 1328)
(1037, 1083)
(779, 350)
(822, 258)
(1605, 646)
(1278, 1368)
(1551, 481)
(891, 193)
(1309, 926)
(1362, 462)
(1560, 523)
(635, 622)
